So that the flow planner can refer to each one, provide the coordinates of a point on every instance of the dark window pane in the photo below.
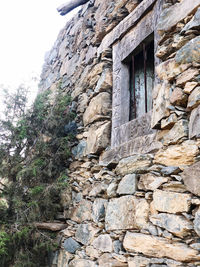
(141, 76)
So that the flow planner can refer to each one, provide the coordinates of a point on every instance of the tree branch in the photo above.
(67, 7)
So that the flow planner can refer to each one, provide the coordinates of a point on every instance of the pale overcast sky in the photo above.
(28, 29)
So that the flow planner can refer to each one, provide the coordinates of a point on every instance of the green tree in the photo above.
(34, 155)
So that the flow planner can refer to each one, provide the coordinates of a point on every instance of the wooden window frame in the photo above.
(123, 130)
(143, 104)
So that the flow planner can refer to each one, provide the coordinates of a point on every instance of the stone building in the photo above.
(132, 69)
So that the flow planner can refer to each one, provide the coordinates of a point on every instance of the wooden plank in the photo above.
(140, 145)
(139, 33)
(125, 25)
(125, 94)
(116, 96)
(158, 10)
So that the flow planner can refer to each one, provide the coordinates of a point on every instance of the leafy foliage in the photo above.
(34, 156)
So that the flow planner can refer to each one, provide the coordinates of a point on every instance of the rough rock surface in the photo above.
(98, 137)
(160, 103)
(175, 224)
(159, 247)
(191, 178)
(99, 107)
(103, 243)
(194, 98)
(189, 53)
(82, 212)
(85, 233)
(177, 133)
(171, 202)
(197, 222)
(172, 15)
(82, 263)
(71, 245)
(126, 212)
(127, 185)
(170, 69)
(178, 155)
(194, 123)
(150, 182)
(133, 164)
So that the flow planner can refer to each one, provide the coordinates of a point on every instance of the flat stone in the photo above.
(195, 246)
(51, 226)
(98, 189)
(179, 41)
(92, 75)
(150, 182)
(171, 202)
(189, 53)
(82, 212)
(98, 209)
(178, 97)
(178, 155)
(91, 53)
(82, 263)
(189, 86)
(117, 246)
(60, 257)
(175, 13)
(169, 122)
(175, 224)
(82, 102)
(140, 145)
(127, 212)
(106, 260)
(175, 186)
(103, 243)
(160, 103)
(170, 170)
(79, 150)
(71, 245)
(138, 261)
(172, 263)
(191, 178)
(133, 164)
(85, 233)
(186, 76)
(194, 123)
(99, 107)
(194, 99)
(197, 222)
(194, 23)
(169, 69)
(98, 137)
(105, 82)
(177, 133)
(112, 189)
(159, 247)
(128, 185)
(92, 252)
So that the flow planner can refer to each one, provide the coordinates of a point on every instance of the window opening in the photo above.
(141, 80)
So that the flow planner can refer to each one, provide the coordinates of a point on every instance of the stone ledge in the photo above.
(140, 145)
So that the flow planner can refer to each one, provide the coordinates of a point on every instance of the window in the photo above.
(133, 81)
(141, 73)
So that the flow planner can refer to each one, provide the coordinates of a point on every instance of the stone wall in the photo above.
(136, 204)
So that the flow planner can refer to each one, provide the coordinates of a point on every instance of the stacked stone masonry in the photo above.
(137, 203)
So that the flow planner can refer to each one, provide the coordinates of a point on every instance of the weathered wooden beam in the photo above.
(69, 6)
